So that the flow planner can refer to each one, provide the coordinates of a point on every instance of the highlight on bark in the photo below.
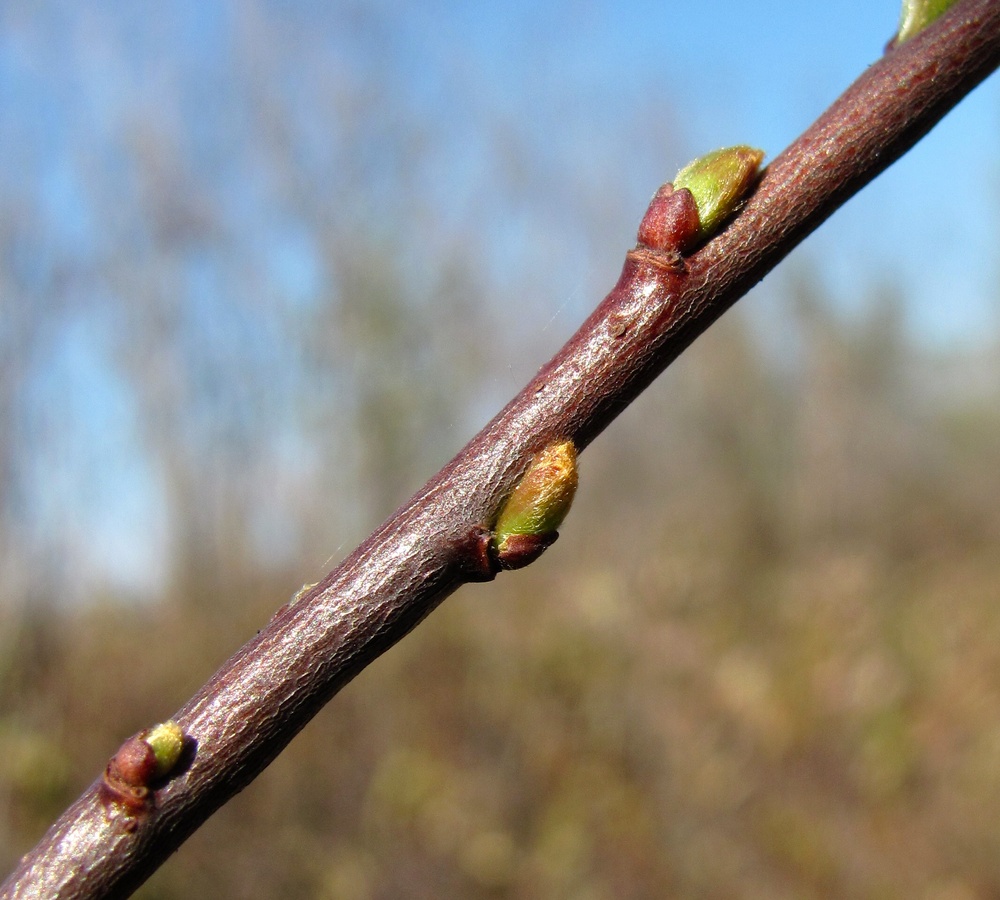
(527, 524)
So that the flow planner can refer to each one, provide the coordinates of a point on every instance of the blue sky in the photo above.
(759, 73)
(568, 74)
(583, 107)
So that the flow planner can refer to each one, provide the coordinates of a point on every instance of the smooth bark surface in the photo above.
(260, 698)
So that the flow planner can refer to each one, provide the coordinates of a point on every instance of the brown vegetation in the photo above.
(775, 674)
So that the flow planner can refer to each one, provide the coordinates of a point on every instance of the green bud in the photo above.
(141, 762)
(529, 519)
(916, 15)
(167, 742)
(718, 181)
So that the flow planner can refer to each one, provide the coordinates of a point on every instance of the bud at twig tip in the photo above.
(718, 181)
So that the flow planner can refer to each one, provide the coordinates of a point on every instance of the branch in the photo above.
(255, 704)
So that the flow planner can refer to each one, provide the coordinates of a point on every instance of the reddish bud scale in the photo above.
(128, 774)
(671, 223)
(520, 550)
(478, 563)
(141, 762)
(134, 763)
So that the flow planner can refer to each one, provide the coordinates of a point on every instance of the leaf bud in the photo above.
(916, 15)
(167, 743)
(718, 181)
(141, 762)
(671, 223)
(529, 520)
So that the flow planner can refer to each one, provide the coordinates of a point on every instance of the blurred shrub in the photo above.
(761, 661)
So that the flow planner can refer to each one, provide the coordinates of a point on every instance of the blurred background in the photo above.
(266, 266)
